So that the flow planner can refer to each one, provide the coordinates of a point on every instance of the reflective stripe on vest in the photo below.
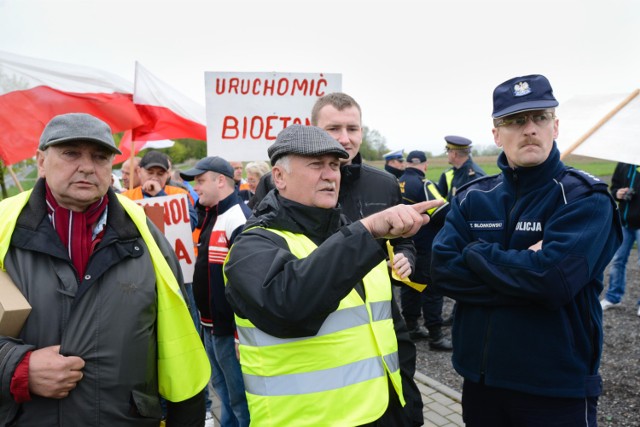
(449, 177)
(183, 365)
(429, 187)
(336, 377)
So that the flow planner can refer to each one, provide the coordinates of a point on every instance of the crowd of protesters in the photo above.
(291, 314)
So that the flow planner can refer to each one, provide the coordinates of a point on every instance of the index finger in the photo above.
(423, 207)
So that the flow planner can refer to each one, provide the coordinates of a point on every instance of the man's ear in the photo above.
(40, 163)
(496, 137)
(277, 175)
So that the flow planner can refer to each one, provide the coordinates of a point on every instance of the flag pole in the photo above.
(15, 178)
(131, 152)
(598, 125)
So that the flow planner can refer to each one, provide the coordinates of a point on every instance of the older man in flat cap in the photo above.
(109, 332)
(463, 169)
(313, 298)
(523, 254)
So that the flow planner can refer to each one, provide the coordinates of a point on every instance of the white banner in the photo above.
(618, 139)
(177, 229)
(246, 111)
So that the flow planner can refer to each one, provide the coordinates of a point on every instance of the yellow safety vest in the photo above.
(183, 365)
(449, 177)
(436, 194)
(337, 377)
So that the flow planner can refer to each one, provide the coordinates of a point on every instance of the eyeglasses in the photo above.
(538, 118)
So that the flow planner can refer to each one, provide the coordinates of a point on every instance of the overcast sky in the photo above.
(419, 69)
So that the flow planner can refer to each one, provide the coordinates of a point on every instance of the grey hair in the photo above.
(284, 162)
(258, 168)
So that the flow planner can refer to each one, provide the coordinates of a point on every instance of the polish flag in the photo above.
(138, 145)
(33, 91)
(167, 113)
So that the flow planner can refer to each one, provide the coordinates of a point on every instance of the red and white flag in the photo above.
(33, 91)
(166, 112)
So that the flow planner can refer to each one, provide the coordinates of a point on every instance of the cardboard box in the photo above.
(14, 308)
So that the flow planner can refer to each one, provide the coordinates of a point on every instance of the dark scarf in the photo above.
(75, 229)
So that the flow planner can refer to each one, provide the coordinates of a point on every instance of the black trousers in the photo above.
(428, 301)
(484, 406)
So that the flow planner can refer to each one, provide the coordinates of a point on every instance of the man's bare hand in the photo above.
(401, 265)
(399, 220)
(52, 374)
(621, 193)
(536, 246)
(151, 187)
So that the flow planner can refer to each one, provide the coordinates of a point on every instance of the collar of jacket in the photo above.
(413, 171)
(466, 165)
(394, 171)
(526, 179)
(36, 210)
(351, 172)
(284, 214)
(227, 203)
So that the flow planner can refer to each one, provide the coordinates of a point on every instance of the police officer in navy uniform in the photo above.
(463, 168)
(415, 188)
(523, 253)
(394, 163)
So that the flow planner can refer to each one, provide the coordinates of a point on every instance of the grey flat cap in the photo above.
(77, 127)
(310, 141)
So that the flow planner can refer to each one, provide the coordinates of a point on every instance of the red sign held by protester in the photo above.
(177, 229)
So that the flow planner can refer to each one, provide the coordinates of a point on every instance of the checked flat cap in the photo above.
(310, 141)
(77, 127)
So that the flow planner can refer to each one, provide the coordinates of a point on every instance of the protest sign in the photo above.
(246, 111)
(177, 229)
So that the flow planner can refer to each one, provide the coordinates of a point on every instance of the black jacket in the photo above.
(624, 176)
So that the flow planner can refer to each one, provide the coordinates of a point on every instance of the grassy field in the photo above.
(600, 168)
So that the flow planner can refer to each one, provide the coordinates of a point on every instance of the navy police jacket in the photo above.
(528, 320)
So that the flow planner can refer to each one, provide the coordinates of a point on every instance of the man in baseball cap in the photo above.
(415, 188)
(523, 253)
(225, 214)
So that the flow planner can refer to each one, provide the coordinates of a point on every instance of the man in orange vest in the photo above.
(154, 172)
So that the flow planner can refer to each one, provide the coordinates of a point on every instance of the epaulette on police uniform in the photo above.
(483, 182)
(577, 183)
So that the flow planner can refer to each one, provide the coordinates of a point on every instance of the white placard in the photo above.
(177, 229)
(246, 111)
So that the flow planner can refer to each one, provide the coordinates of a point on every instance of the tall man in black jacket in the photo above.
(365, 190)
